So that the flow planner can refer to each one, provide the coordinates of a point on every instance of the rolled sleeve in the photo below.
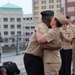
(49, 36)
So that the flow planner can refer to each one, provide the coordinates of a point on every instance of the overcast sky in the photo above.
(25, 4)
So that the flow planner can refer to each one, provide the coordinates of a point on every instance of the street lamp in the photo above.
(1, 41)
(17, 44)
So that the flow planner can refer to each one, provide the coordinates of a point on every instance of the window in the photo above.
(58, 0)
(27, 27)
(43, 2)
(70, 0)
(37, 2)
(18, 26)
(69, 9)
(51, 1)
(12, 19)
(18, 19)
(6, 39)
(13, 39)
(27, 33)
(32, 27)
(27, 39)
(43, 7)
(27, 18)
(30, 18)
(23, 18)
(35, 8)
(13, 45)
(5, 26)
(51, 6)
(31, 32)
(5, 19)
(12, 33)
(12, 26)
(34, 13)
(19, 39)
(5, 32)
(58, 6)
(6, 45)
(34, 2)
(19, 32)
(72, 17)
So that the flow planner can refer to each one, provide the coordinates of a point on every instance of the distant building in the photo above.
(28, 27)
(13, 22)
(70, 8)
(41, 5)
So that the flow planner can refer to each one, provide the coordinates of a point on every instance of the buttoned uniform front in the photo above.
(67, 34)
(35, 50)
(52, 60)
(33, 56)
(34, 47)
(72, 27)
(66, 52)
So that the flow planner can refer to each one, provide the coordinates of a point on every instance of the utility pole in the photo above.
(17, 45)
(1, 41)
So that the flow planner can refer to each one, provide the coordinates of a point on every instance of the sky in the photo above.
(25, 4)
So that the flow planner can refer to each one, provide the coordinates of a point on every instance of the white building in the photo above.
(28, 27)
(12, 22)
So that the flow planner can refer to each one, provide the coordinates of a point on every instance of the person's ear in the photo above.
(55, 22)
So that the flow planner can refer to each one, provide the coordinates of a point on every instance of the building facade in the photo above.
(10, 23)
(28, 27)
(41, 5)
(70, 8)
(15, 27)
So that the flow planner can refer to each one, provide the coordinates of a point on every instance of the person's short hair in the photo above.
(1, 69)
(68, 17)
(58, 23)
(11, 68)
(74, 21)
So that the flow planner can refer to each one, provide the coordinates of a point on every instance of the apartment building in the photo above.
(41, 5)
(28, 27)
(70, 8)
(10, 23)
(15, 27)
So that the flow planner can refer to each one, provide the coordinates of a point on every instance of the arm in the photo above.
(39, 36)
(50, 47)
(68, 39)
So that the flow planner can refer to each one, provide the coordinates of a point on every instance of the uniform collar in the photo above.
(44, 24)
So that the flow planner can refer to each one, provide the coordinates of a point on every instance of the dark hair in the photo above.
(68, 17)
(58, 23)
(74, 21)
(1, 69)
(47, 17)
